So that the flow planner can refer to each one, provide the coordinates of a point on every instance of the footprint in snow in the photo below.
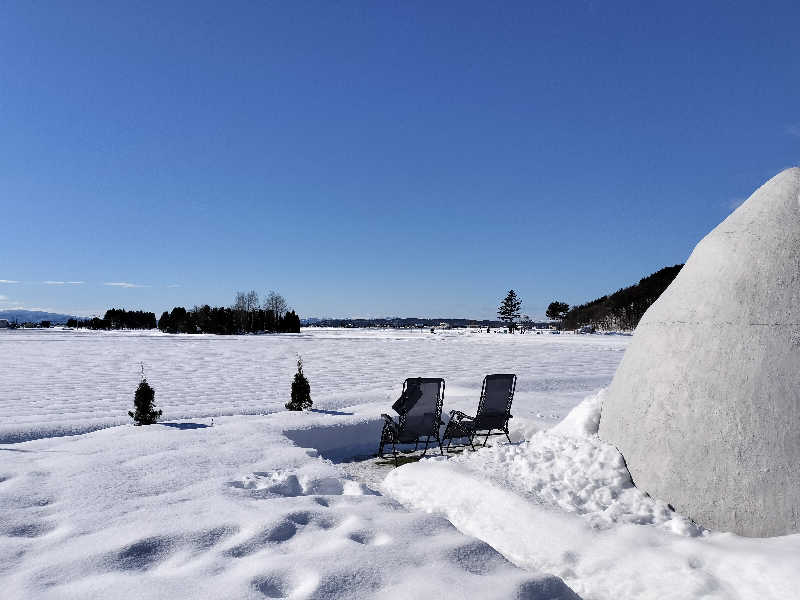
(30, 530)
(277, 534)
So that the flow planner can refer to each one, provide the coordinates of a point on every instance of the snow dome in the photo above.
(705, 406)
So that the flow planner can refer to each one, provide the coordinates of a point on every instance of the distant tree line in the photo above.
(403, 323)
(93, 323)
(624, 308)
(117, 318)
(30, 325)
(246, 315)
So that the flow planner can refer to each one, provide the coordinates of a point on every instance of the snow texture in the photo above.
(252, 506)
(285, 505)
(705, 406)
(563, 502)
(185, 510)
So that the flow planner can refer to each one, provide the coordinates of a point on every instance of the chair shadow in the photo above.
(336, 413)
(186, 425)
(388, 460)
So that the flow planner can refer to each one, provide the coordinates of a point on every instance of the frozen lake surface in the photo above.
(56, 382)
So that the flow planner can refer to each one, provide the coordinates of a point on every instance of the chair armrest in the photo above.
(390, 423)
(510, 416)
(458, 415)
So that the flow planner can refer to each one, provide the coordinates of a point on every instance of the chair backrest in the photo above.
(497, 394)
(424, 416)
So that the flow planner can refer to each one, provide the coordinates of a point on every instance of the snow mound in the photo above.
(288, 483)
(583, 420)
(567, 467)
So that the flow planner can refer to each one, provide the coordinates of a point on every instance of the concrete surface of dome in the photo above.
(705, 406)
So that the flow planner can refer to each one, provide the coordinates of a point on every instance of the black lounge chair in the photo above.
(494, 411)
(420, 410)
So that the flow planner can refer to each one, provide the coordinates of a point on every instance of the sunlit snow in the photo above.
(233, 497)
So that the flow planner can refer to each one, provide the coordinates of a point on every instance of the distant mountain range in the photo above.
(33, 316)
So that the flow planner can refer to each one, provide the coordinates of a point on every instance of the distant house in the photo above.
(3, 324)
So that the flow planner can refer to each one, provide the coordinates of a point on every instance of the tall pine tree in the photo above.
(508, 311)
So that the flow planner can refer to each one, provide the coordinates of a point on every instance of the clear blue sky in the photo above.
(378, 158)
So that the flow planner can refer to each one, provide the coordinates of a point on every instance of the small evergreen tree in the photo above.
(301, 390)
(508, 311)
(145, 404)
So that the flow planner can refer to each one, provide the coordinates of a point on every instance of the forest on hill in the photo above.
(624, 308)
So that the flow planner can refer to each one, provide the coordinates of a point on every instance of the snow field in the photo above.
(276, 506)
(255, 506)
(66, 382)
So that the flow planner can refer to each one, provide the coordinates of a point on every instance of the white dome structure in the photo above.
(705, 406)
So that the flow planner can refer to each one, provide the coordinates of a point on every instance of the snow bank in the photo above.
(342, 440)
(583, 420)
(563, 503)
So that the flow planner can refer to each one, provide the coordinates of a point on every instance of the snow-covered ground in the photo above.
(267, 503)
(562, 502)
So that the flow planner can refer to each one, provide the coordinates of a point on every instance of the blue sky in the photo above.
(368, 159)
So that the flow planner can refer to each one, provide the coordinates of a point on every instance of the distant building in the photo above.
(3, 324)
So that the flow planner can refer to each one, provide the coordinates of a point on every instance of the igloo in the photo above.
(705, 406)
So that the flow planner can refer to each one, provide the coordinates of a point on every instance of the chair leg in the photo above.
(382, 444)
(427, 440)
(450, 433)
(440, 446)
(487, 437)
(394, 451)
(508, 436)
